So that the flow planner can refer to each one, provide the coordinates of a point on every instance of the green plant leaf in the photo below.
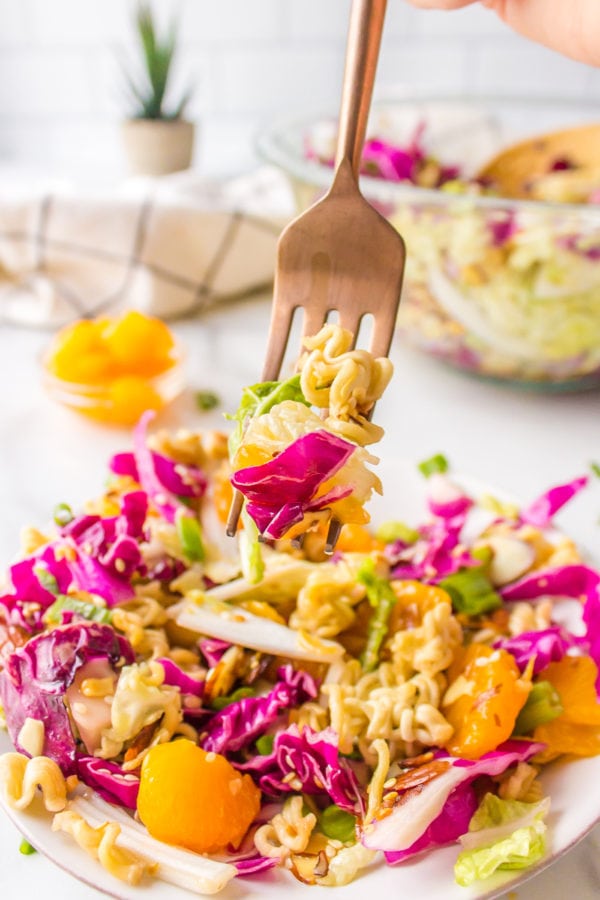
(157, 53)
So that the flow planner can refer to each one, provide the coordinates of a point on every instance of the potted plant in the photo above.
(157, 138)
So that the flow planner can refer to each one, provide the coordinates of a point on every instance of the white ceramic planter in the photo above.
(157, 147)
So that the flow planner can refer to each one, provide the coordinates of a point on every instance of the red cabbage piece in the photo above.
(577, 243)
(419, 806)
(36, 676)
(549, 645)
(212, 649)
(253, 865)
(578, 581)
(438, 552)
(176, 676)
(391, 162)
(591, 620)
(281, 491)
(29, 599)
(239, 724)
(502, 229)
(177, 478)
(542, 510)
(107, 550)
(444, 499)
(313, 758)
(109, 780)
(452, 822)
(162, 497)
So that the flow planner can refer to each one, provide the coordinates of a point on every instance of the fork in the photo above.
(340, 255)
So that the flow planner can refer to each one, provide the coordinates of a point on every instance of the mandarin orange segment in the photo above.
(350, 511)
(563, 737)
(414, 600)
(139, 343)
(356, 539)
(223, 492)
(195, 799)
(577, 730)
(574, 677)
(117, 359)
(249, 455)
(77, 354)
(129, 397)
(493, 693)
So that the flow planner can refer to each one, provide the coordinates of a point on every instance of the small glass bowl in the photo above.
(121, 400)
(504, 289)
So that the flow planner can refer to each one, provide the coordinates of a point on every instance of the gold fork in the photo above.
(340, 255)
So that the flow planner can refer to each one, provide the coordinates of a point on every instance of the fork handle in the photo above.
(362, 51)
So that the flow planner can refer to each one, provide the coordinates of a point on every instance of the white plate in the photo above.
(575, 808)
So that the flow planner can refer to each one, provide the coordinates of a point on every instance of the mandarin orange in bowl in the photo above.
(195, 799)
(114, 368)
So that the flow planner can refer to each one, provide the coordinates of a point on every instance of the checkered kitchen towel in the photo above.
(170, 249)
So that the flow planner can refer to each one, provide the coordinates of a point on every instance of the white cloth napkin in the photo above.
(169, 247)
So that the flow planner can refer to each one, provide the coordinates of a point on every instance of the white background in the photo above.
(61, 88)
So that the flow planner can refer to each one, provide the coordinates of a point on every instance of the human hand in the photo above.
(570, 26)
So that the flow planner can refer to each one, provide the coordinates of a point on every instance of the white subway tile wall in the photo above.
(62, 95)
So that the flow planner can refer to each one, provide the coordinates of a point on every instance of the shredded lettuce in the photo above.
(259, 399)
(503, 834)
(251, 557)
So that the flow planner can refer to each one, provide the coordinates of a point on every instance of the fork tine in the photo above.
(332, 536)
(351, 319)
(235, 511)
(314, 317)
(279, 332)
(383, 331)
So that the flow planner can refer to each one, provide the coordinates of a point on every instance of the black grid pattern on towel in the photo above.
(201, 291)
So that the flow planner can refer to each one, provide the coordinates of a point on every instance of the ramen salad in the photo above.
(197, 709)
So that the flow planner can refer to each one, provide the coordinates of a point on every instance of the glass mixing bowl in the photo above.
(505, 289)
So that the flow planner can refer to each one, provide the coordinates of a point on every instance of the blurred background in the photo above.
(62, 95)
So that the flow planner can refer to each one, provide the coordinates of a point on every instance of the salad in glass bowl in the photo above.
(503, 288)
(199, 712)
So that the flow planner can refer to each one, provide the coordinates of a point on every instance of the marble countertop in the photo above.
(518, 441)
